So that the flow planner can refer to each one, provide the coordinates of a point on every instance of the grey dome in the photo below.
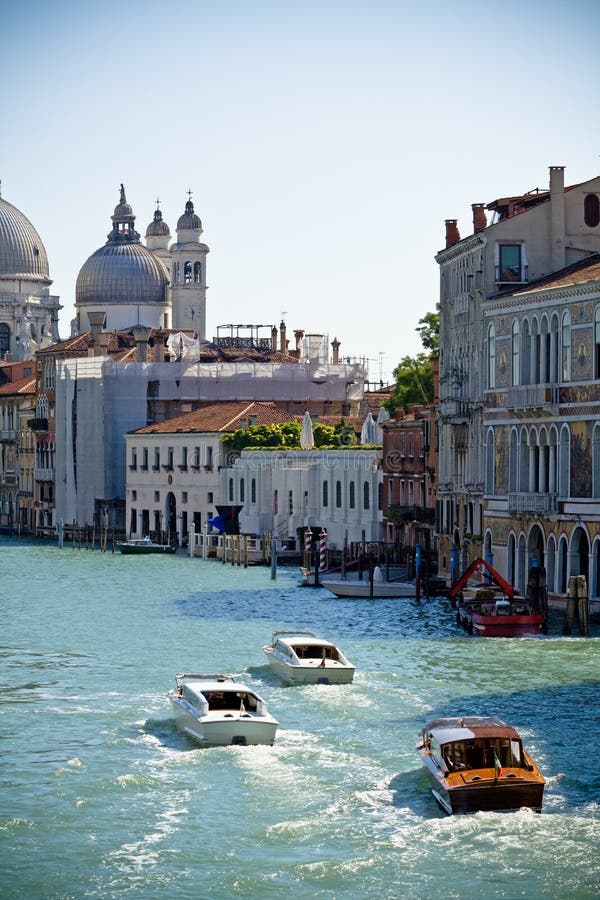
(21, 250)
(121, 273)
(189, 221)
(158, 228)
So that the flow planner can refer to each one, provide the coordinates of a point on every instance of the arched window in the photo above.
(338, 494)
(380, 496)
(366, 495)
(187, 272)
(591, 210)
(353, 494)
(596, 461)
(525, 377)
(176, 273)
(489, 462)
(197, 273)
(253, 491)
(597, 342)
(231, 490)
(4, 339)
(325, 493)
(491, 357)
(566, 347)
(513, 463)
(551, 563)
(242, 490)
(564, 464)
(516, 379)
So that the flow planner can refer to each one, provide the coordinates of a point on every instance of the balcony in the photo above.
(37, 424)
(42, 474)
(518, 274)
(520, 504)
(453, 408)
(533, 396)
(398, 513)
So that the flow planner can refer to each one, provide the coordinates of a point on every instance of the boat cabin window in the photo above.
(312, 652)
(234, 700)
(479, 754)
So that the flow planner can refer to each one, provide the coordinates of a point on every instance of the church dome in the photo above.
(123, 271)
(158, 228)
(189, 221)
(22, 253)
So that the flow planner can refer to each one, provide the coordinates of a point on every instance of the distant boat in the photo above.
(478, 763)
(144, 545)
(376, 590)
(299, 657)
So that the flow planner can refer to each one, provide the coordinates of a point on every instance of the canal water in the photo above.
(102, 797)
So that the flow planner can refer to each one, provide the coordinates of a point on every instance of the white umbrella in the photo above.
(368, 434)
(307, 440)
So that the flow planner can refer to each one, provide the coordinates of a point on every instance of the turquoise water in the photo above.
(102, 797)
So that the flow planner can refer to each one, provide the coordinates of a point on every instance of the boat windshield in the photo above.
(235, 700)
(480, 752)
(311, 651)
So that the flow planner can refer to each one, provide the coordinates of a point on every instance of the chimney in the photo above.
(140, 335)
(282, 337)
(273, 338)
(97, 322)
(335, 344)
(479, 219)
(557, 205)
(452, 233)
(298, 334)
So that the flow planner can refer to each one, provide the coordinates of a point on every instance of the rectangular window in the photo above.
(184, 458)
(133, 464)
(157, 496)
(184, 497)
(510, 268)
(156, 465)
(145, 458)
(134, 495)
(209, 497)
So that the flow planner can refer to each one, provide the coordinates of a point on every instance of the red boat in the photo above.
(492, 608)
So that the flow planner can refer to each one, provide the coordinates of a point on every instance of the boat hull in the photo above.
(517, 625)
(362, 589)
(224, 730)
(489, 795)
(313, 672)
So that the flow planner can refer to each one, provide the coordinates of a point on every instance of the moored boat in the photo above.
(143, 545)
(478, 763)
(217, 710)
(299, 657)
(370, 589)
(492, 607)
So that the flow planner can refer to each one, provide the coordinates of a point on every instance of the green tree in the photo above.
(428, 330)
(414, 374)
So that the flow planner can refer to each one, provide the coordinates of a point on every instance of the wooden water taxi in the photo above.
(478, 763)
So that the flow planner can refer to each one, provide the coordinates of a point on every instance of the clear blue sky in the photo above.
(324, 142)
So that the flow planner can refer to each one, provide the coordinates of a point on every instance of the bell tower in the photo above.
(188, 273)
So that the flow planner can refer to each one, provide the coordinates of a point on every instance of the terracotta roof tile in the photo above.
(23, 386)
(220, 417)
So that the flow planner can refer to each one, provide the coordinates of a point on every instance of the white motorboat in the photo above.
(217, 710)
(299, 657)
(368, 589)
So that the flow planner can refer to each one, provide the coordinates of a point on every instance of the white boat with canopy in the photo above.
(216, 710)
(300, 657)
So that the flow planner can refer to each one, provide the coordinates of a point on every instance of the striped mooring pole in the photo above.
(322, 550)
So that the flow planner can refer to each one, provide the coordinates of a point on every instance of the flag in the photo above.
(497, 767)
